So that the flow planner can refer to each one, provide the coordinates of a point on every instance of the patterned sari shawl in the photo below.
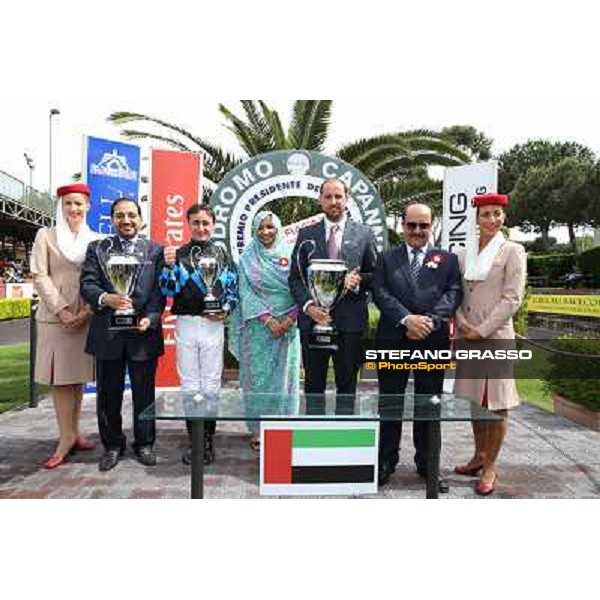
(263, 279)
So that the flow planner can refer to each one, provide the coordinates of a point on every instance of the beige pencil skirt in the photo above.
(60, 356)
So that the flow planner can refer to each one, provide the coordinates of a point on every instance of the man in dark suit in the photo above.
(335, 237)
(137, 349)
(417, 288)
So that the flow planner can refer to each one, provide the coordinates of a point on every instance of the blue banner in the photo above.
(112, 171)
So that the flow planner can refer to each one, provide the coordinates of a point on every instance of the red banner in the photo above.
(175, 187)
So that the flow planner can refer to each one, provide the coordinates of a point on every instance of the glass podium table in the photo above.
(235, 405)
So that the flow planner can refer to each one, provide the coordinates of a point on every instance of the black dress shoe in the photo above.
(209, 452)
(385, 472)
(109, 459)
(209, 449)
(146, 456)
(443, 487)
(422, 471)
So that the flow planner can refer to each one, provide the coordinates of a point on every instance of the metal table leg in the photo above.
(197, 459)
(433, 459)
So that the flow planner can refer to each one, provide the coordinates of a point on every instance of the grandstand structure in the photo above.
(23, 210)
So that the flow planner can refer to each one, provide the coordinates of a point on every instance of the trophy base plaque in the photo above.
(123, 321)
(212, 306)
(323, 338)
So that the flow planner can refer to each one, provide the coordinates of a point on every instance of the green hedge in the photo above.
(14, 308)
(374, 315)
(521, 318)
(394, 238)
(573, 377)
(589, 263)
(551, 266)
(538, 245)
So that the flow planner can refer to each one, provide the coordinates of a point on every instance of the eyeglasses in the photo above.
(421, 226)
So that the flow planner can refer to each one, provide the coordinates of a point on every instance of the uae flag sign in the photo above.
(318, 458)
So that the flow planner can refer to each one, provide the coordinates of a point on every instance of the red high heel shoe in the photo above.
(83, 444)
(485, 489)
(55, 460)
(467, 470)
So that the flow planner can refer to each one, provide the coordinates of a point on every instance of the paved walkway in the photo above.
(545, 456)
(14, 331)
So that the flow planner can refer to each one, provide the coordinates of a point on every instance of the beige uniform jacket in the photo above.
(56, 279)
(489, 306)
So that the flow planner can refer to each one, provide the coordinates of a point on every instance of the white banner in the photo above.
(460, 185)
(19, 290)
(290, 232)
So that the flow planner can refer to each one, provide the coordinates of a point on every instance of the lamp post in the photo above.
(53, 111)
(31, 167)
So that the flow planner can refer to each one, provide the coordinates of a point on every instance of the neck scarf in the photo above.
(263, 280)
(72, 246)
(264, 273)
(479, 264)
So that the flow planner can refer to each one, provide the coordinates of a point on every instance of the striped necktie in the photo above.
(415, 267)
(127, 246)
(333, 248)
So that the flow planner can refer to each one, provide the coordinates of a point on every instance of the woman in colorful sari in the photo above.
(263, 335)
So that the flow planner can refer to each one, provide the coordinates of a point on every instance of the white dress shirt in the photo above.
(420, 258)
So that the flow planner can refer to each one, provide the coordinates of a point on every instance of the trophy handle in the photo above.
(194, 251)
(99, 247)
(309, 256)
(138, 271)
(221, 263)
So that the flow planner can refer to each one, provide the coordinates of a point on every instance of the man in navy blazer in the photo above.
(417, 288)
(355, 244)
(138, 350)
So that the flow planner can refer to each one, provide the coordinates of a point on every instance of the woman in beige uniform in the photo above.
(62, 316)
(493, 282)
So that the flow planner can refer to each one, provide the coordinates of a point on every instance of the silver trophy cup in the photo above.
(326, 285)
(122, 271)
(207, 266)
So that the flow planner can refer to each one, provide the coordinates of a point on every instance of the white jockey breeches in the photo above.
(199, 354)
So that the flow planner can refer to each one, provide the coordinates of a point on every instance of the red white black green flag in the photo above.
(318, 458)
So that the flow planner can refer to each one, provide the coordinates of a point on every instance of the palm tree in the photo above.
(394, 162)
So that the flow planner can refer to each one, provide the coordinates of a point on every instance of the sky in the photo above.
(515, 72)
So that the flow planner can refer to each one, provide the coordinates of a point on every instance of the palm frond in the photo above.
(396, 155)
(369, 155)
(309, 124)
(397, 194)
(280, 141)
(415, 186)
(252, 143)
(134, 134)
(122, 117)
(215, 165)
(257, 120)
(215, 168)
(207, 193)
(441, 146)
